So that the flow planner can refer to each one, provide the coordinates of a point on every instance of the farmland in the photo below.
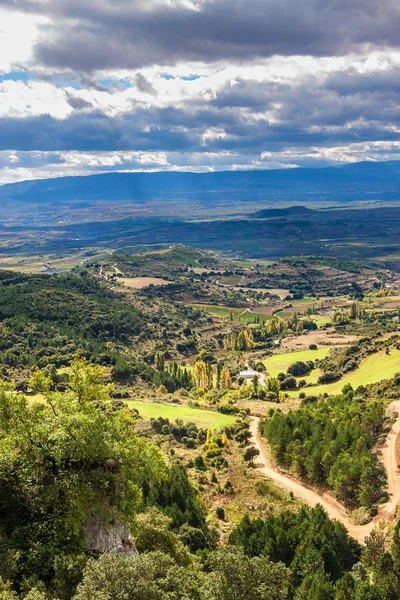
(279, 363)
(206, 419)
(374, 368)
(138, 283)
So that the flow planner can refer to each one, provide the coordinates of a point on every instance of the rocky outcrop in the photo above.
(102, 538)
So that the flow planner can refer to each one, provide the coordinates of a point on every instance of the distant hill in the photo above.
(292, 211)
(360, 181)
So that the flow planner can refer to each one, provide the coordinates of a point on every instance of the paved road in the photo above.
(334, 509)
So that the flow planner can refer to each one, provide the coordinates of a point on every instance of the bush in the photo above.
(313, 347)
(289, 383)
(228, 409)
(299, 368)
(329, 377)
(251, 454)
(220, 513)
(199, 463)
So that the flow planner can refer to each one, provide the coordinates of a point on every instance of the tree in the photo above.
(200, 375)
(251, 454)
(225, 379)
(315, 587)
(76, 458)
(150, 576)
(219, 373)
(254, 381)
(159, 361)
(235, 575)
(376, 544)
(154, 533)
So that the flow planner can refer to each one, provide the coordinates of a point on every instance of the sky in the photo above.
(196, 85)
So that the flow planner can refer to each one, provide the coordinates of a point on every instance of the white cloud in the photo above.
(18, 34)
(18, 99)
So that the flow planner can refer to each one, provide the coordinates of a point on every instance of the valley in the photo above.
(266, 382)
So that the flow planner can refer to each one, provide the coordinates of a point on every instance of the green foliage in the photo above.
(176, 497)
(251, 454)
(151, 576)
(61, 462)
(299, 540)
(331, 442)
(153, 533)
(48, 319)
(235, 575)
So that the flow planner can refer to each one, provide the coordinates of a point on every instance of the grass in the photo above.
(242, 315)
(372, 369)
(231, 280)
(223, 312)
(279, 363)
(206, 419)
(321, 321)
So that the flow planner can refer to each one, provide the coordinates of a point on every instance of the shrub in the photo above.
(251, 454)
(220, 513)
(299, 368)
(199, 463)
(329, 377)
(289, 383)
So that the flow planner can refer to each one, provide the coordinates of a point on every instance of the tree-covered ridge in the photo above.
(47, 319)
(332, 443)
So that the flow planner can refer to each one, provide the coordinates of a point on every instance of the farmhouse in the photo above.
(247, 374)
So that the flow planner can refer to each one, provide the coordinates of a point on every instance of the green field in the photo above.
(372, 369)
(321, 321)
(279, 363)
(224, 312)
(206, 419)
(243, 315)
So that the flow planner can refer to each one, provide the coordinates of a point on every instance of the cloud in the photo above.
(98, 35)
(201, 84)
(144, 86)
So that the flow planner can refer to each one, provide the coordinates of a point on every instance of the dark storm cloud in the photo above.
(329, 120)
(86, 36)
(91, 131)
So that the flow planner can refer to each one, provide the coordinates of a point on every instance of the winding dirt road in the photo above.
(334, 509)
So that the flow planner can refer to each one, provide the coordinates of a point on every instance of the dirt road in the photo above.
(334, 509)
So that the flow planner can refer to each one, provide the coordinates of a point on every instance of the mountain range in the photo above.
(357, 181)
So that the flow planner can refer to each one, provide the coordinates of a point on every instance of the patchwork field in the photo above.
(206, 419)
(244, 315)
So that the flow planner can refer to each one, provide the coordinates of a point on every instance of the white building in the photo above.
(248, 374)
